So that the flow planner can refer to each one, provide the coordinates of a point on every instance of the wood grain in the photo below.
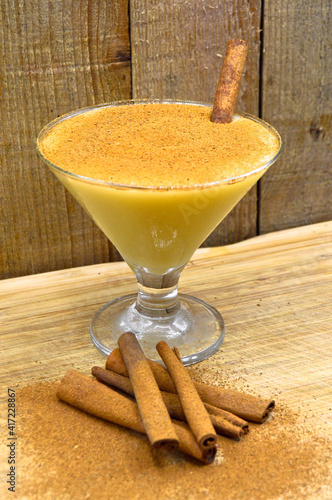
(274, 292)
(297, 100)
(177, 53)
(56, 57)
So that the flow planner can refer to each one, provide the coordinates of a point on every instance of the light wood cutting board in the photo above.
(274, 292)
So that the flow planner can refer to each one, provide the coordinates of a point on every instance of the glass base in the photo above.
(196, 329)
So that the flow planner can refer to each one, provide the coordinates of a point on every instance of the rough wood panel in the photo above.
(177, 52)
(56, 56)
(297, 100)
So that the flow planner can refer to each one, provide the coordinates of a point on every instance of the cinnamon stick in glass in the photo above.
(229, 81)
(193, 407)
(155, 417)
(95, 398)
(224, 423)
(246, 406)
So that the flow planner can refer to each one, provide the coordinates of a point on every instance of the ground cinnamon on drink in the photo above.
(158, 145)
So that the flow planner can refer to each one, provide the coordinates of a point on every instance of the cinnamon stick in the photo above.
(229, 81)
(224, 423)
(194, 410)
(97, 399)
(232, 419)
(155, 417)
(246, 406)
(113, 379)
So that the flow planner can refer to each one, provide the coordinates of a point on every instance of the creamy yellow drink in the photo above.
(157, 178)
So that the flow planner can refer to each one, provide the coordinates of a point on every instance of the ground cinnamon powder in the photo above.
(64, 453)
(157, 145)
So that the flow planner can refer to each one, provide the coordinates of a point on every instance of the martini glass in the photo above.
(157, 230)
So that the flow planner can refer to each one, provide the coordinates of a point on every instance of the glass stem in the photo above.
(157, 294)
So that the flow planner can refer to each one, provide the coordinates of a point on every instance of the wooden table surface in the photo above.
(274, 292)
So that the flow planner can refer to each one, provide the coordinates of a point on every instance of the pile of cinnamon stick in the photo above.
(164, 403)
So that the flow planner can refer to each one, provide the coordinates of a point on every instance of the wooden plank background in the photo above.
(56, 56)
(61, 55)
(297, 99)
